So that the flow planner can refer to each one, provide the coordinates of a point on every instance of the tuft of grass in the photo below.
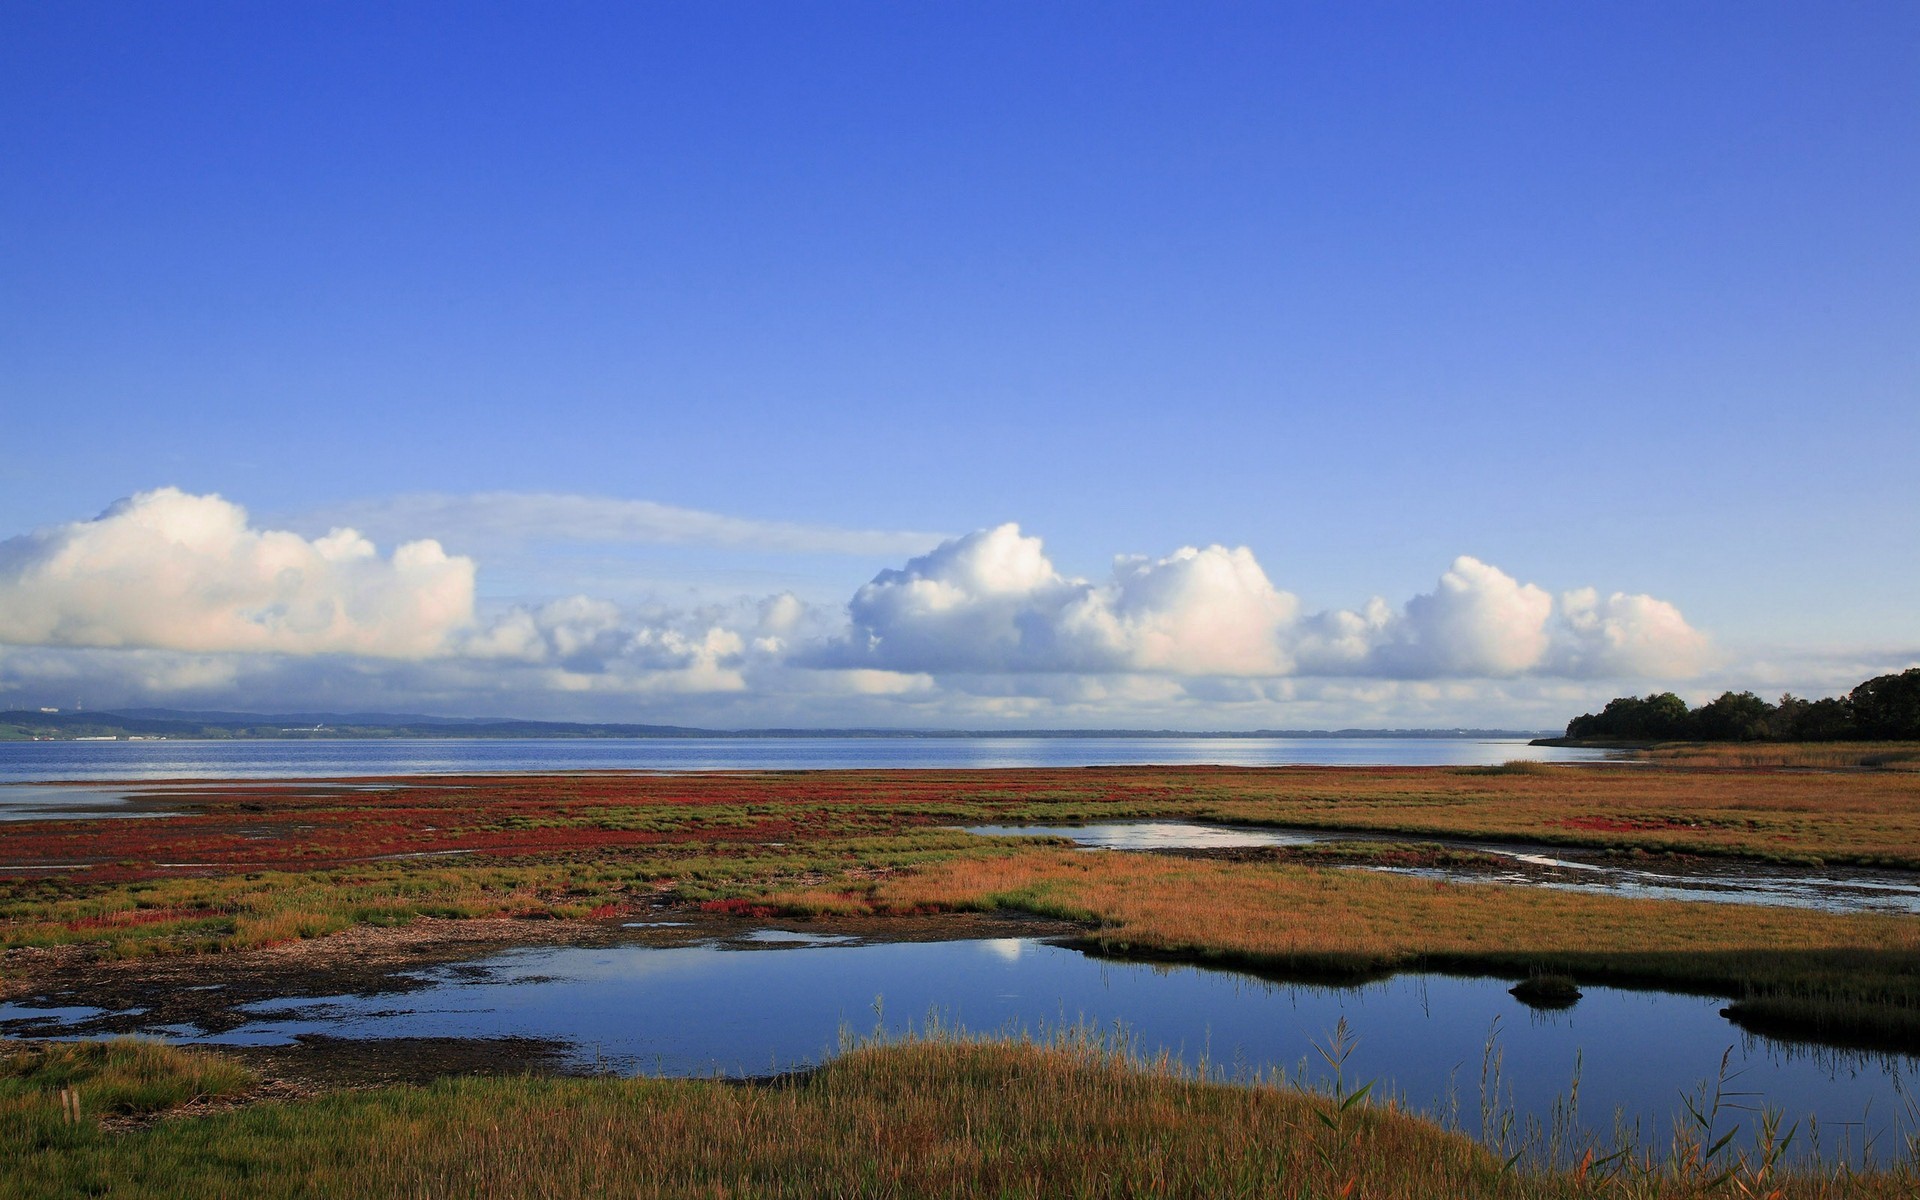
(1547, 991)
(1513, 766)
(53, 1094)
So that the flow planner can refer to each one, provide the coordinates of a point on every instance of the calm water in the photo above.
(1829, 889)
(779, 1002)
(29, 762)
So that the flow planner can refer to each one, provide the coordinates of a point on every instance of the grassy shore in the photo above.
(1854, 977)
(1818, 756)
(947, 1118)
(939, 1118)
(256, 868)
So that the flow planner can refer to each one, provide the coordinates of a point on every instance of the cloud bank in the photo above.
(171, 598)
(991, 601)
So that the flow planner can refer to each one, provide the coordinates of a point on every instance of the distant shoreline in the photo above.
(21, 726)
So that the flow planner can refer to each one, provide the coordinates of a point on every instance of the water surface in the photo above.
(1828, 889)
(184, 759)
(782, 1001)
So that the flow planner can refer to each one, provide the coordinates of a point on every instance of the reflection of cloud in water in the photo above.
(1004, 949)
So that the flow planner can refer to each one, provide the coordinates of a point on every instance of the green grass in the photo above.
(53, 1091)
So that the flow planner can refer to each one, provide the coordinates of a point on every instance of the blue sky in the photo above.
(1611, 296)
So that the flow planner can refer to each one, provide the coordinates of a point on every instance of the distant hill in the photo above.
(27, 724)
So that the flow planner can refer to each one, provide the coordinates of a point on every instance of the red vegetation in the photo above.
(243, 826)
(142, 916)
(737, 908)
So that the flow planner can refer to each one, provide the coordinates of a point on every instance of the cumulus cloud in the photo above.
(491, 517)
(169, 570)
(583, 644)
(174, 598)
(1626, 635)
(1478, 621)
(992, 601)
(1205, 611)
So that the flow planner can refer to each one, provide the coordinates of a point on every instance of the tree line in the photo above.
(1884, 708)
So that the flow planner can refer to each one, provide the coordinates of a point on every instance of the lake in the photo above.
(29, 762)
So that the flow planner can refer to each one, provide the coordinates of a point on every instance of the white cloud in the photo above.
(1478, 621)
(175, 599)
(1626, 636)
(992, 602)
(1205, 611)
(493, 517)
(169, 570)
(583, 644)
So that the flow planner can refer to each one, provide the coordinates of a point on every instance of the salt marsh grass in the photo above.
(938, 1114)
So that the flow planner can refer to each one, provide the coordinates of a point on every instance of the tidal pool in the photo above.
(1829, 889)
(1453, 1047)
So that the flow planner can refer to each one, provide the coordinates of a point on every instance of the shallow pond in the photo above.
(101, 800)
(51, 802)
(1829, 889)
(775, 1001)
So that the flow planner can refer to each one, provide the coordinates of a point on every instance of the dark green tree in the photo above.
(1887, 707)
(1733, 717)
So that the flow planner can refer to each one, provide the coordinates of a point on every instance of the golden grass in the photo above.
(1889, 756)
(1303, 920)
(1865, 817)
(945, 1118)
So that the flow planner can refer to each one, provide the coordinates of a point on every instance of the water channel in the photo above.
(780, 1000)
(1828, 889)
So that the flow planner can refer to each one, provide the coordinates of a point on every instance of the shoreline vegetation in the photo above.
(276, 868)
(1885, 708)
(941, 1114)
(1807, 756)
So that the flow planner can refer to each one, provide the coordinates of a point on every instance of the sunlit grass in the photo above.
(1858, 973)
(1894, 756)
(944, 1116)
